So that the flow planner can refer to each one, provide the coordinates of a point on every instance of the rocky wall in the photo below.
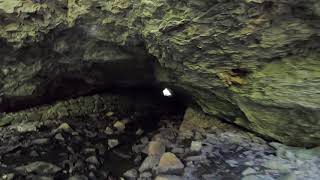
(252, 62)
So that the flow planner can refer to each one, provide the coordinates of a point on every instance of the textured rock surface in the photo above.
(252, 62)
(83, 107)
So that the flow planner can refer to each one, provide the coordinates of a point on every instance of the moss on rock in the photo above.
(251, 60)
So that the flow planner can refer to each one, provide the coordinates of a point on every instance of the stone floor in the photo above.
(162, 147)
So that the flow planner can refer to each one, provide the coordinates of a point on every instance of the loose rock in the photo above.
(8, 176)
(196, 146)
(40, 141)
(109, 114)
(248, 171)
(93, 160)
(39, 167)
(149, 163)
(168, 177)
(145, 175)
(113, 143)
(139, 132)
(156, 148)
(131, 174)
(108, 131)
(120, 126)
(170, 164)
(26, 127)
(59, 137)
(64, 127)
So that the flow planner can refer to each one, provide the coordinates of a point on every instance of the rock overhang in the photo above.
(198, 46)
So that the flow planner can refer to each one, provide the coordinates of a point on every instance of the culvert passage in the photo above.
(94, 137)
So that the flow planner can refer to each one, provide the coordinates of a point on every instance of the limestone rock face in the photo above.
(252, 62)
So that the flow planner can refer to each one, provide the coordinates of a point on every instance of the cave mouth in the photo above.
(101, 144)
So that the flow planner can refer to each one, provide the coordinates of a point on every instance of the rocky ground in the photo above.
(162, 147)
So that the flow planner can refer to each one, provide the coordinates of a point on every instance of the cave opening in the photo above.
(102, 143)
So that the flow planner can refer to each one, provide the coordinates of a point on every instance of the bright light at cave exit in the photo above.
(167, 92)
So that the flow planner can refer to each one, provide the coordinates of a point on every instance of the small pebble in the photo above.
(109, 114)
(120, 126)
(139, 132)
(196, 146)
(131, 174)
(108, 131)
(113, 143)
(93, 160)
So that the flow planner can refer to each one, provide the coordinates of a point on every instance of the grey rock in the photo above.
(101, 149)
(196, 158)
(232, 163)
(149, 163)
(89, 150)
(277, 164)
(93, 160)
(120, 126)
(196, 146)
(26, 127)
(59, 137)
(113, 143)
(145, 175)
(258, 177)
(168, 177)
(109, 114)
(45, 178)
(78, 177)
(144, 140)
(108, 131)
(156, 148)
(139, 132)
(170, 164)
(8, 176)
(92, 176)
(178, 150)
(41, 141)
(79, 165)
(34, 154)
(138, 148)
(64, 127)
(249, 163)
(137, 160)
(290, 176)
(248, 171)
(131, 174)
(92, 167)
(39, 167)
